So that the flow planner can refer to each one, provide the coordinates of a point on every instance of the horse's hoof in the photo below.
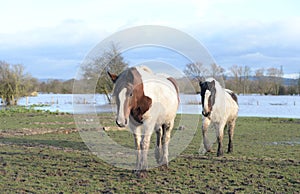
(163, 167)
(220, 153)
(230, 150)
(142, 174)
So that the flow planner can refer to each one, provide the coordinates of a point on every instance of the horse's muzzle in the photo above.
(206, 114)
(121, 124)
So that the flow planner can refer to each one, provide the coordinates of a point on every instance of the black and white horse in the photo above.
(219, 108)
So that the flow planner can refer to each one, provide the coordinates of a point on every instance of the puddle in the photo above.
(291, 143)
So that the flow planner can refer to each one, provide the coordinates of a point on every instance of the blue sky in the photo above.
(51, 38)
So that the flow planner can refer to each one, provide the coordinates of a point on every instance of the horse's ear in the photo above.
(112, 76)
(201, 80)
(213, 83)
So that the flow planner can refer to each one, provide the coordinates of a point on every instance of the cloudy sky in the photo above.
(52, 38)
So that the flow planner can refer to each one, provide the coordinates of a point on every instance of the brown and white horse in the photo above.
(148, 103)
(219, 108)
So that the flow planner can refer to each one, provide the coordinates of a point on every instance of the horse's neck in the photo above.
(220, 96)
(219, 106)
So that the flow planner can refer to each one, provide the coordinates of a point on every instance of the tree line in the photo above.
(244, 80)
(16, 83)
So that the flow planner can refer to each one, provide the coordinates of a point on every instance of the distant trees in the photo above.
(240, 79)
(14, 83)
(298, 85)
(267, 81)
(243, 80)
(56, 86)
(262, 81)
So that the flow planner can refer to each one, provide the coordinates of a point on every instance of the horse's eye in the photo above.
(131, 94)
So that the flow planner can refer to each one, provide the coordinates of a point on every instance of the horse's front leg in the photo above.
(220, 135)
(136, 131)
(207, 144)
(143, 162)
(137, 141)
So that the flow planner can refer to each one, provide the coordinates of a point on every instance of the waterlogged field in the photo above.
(249, 105)
(44, 153)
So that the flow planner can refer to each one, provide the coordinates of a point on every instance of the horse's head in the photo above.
(208, 94)
(130, 98)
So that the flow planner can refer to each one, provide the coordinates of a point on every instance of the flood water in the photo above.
(249, 105)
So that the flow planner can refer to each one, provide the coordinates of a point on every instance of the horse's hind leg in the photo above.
(220, 135)
(167, 128)
(231, 126)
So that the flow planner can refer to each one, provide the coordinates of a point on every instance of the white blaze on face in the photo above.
(121, 117)
(207, 95)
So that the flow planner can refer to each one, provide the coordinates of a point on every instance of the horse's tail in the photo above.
(173, 81)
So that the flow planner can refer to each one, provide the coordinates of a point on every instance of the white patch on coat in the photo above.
(122, 98)
(206, 97)
(163, 95)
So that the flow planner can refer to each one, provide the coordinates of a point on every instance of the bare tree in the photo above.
(195, 71)
(111, 60)
(275, 79)
(236, 72)
(216, 71)
(246, 83)
(261, 84)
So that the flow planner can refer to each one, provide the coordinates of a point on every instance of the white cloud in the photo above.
(232, 30)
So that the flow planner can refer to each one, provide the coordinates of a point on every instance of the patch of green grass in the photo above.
(13, 110)
(19, 120)
(59, 162)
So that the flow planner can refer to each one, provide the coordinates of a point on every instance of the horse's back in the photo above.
(160, 87)
(231, 104)
(163, 92)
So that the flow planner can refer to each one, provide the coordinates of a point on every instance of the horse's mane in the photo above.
(145, 68)
(217, 84)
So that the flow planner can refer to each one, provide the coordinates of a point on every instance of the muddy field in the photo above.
(44, 153)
